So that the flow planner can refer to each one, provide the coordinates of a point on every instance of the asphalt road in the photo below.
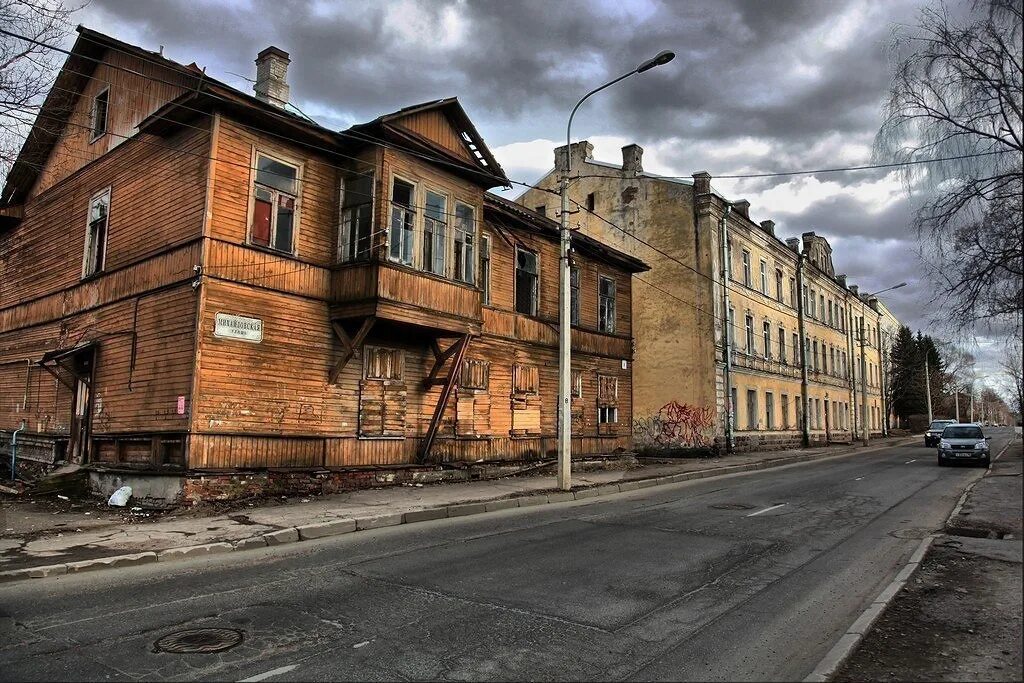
(745, 577)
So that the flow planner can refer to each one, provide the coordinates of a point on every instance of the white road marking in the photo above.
(359, 645)
(761, 512)
(270, 674)
(858, 478)
(910, 461)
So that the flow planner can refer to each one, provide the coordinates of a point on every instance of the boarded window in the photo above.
(607, 402)
(382, 364)
(576, 383)
(525, 379)
(475, 375)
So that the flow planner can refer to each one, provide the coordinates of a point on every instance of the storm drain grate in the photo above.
(199, 641)
(732, 506)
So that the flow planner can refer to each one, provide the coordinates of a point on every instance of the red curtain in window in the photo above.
(261, 222)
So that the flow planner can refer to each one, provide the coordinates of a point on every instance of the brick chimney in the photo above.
(632, 159)
(855, 290)
(793, 243)
(768, 227)
(581, 151)
(701, 182)
(272, 76)
(742, 207)
(841, 279)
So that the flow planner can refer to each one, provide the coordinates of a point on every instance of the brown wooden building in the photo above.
(196, 283)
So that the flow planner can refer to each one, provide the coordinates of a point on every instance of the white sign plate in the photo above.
(230, 326)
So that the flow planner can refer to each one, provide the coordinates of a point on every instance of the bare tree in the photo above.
(27, 69)
(1012, 364)
(956, 94)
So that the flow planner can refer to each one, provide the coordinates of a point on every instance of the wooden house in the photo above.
(202, 291)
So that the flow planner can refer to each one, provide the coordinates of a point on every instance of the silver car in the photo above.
(931, 437)
(963, 443)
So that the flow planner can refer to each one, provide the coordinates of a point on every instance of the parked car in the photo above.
(963, 443)
(931, 437)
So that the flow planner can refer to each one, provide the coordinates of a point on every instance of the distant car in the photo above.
(931, 437)
(963, 443)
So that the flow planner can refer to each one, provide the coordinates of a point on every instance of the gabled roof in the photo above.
(484, 165)
(518, 216)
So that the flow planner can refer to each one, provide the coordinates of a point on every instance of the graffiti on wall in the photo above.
(676, 425)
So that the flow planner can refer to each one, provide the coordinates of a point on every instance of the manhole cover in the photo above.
(199, 640)
(732, 506)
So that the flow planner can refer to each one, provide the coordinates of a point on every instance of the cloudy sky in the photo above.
(756, 86)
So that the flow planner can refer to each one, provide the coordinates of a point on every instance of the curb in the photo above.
(849, 641)
(462, 509)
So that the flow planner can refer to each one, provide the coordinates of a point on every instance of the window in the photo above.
(606, 304)
(782, 345)
(733, 408)
(778, 286)
(728, 255)
(465, 244)
(821, 306)
(576, 383)
(769, 409)
(542, 209)
(525, 379)
(100, 105)
(485, 266)
(796, 349)
(475, 374)
(746, 267)
(814, 308)
(749, 327)
(792, 292)
(402, 220)
(764, 277)
(607, 399)
(274, 198)
(832, 359)
(574, 295)
(379, 363)
(731, 326)
(767, 334)
(815, 356)
(526, 282)
(785, 411)
(435, 228)
(96, 234)
(356, 218)
(831, 318)
(751, 409)
(590, 202)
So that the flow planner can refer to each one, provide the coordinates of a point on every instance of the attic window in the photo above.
(591, 201)
(99, 113)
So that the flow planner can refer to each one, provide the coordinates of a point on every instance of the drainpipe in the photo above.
(851, 367)
(14, 448)
(730, 443)
(804, 420)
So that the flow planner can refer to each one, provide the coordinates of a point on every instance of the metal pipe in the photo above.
(863, 381)
(14, 449)
(804, 418)
(730, 443)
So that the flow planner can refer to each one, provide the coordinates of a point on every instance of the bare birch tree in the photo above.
(956, 91)
(27, 69)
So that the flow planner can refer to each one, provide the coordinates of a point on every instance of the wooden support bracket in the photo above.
(457, 352)
(439, 359)
(349, 345)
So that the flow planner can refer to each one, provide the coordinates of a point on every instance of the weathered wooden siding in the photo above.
(133, 97)
(149, 211)
(435, 125)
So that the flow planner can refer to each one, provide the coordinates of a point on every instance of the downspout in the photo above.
(14, 449)
(730, 443)
(851, 367)
(804, 421)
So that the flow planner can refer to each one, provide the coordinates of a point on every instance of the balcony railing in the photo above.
(762, 364)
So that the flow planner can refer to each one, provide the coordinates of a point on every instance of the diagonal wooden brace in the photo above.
(348, 345)
(459, 351)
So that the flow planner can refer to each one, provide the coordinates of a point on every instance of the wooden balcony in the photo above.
(388, 291)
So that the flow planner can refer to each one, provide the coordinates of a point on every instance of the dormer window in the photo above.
(275, 192)
(100, 105)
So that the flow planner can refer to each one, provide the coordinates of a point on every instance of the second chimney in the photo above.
(632, 159)
(742, 207)
(768, 227)
(272, 76)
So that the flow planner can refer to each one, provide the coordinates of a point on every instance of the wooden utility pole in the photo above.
(928, 391)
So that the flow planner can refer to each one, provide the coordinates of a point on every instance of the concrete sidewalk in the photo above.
(36, 544)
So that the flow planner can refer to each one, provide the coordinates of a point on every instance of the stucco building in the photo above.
(789, 369)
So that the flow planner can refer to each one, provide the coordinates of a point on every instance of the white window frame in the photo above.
(764, 276)
(468, 247)
(88, 254)
(297, 213)
(746, 268)
(607, 325)
(436, 240)
(515, 283)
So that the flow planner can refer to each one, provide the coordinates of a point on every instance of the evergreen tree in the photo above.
(907, 385)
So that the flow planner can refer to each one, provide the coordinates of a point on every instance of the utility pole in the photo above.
(863, 382)
(928, 390)
(564, 476)
(730, 409)
(972, 402)
(956, 402)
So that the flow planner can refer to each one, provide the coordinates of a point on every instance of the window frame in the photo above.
(607, 325)
(535, 298)
(369, 350)
(412, 220)
(438, 235)
(345, 233)
(574, 295)
(467, 370)
(485, 267)
(746, 268)
(297, 197)
(517, 369)
(89, 246)
(763, 266)
(93, 134)
(468, 247)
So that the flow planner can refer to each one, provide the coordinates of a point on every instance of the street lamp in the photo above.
(564, 323)
(864, 366)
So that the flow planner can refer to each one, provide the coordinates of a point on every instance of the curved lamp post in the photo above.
(564, 322)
